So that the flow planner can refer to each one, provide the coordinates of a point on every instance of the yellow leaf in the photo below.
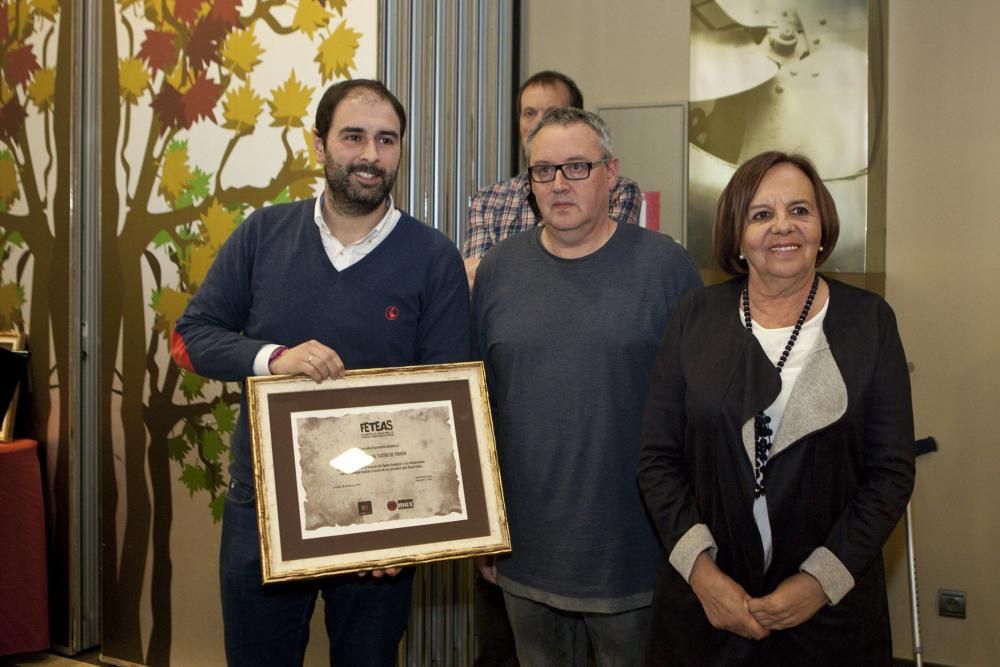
(337, 5)
(10, 303)
(336, 53)
(42, 88)
(301, 188)
(46, 8)
(309, 16)
(288, 103)
(310, 153)
(304, 188)
(169, 308)
(201, 260)
(155, 9)
(8, 181)
(241, 52)
(133, 79)
(18, 17)
(218, 224)
(240, 108)
(175, 174)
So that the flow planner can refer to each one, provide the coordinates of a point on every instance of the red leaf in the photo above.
(205, 43)
(200, 100)
(169, 108)
(158, 50)
(227, 11)
(187, 10)
(12, 117)
(21, 64)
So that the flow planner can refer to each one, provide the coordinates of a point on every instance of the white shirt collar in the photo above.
(342, 256)
(391, 215)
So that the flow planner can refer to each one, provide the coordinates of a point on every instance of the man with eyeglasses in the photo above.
(568, 318)
(506, 208)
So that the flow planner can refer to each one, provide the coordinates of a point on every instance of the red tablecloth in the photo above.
(24, 606)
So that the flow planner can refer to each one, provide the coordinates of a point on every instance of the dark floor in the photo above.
(52, 660)
(92, 658)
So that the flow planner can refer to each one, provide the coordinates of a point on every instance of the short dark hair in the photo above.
(570, 115)
(336, 93)
(550, 78)
(734, 204)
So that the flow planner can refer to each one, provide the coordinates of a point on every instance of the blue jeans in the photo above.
(549, 636)
(268, 626)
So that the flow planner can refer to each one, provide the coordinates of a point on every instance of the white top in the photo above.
(773, 341)
(340, 256)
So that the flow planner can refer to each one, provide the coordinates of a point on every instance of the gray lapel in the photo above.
(818, 399)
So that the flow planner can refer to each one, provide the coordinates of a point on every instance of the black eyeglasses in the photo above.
(573, 171)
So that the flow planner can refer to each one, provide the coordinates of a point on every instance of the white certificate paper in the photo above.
(377, 467)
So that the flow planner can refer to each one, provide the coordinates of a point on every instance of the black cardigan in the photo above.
(840, 474)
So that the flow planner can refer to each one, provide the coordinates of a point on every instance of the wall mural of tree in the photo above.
(35, 130)
(206, 117)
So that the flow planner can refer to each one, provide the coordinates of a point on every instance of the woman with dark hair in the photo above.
(777, 446)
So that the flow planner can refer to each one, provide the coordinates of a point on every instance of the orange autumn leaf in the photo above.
(19, 65)
(200, 99)
(158, 50)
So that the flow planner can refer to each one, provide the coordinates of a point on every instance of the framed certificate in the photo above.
(380, 468)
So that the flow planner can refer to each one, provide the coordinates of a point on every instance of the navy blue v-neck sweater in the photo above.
(405, 303)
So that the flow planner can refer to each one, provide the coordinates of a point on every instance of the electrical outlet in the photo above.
(951, 603)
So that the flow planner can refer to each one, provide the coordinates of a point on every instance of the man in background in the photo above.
(506, 208)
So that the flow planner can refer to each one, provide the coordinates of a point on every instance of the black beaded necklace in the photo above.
(762, 423)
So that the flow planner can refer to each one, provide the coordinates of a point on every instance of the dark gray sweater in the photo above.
(569, 347)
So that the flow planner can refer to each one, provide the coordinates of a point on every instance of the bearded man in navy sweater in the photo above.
(344, 281)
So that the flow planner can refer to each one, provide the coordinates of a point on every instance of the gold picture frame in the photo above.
(11, 340)
(381, 468)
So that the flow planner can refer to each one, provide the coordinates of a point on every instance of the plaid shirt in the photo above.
(502, 210)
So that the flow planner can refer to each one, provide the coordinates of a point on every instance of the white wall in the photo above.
(943, 242)
(617, 52)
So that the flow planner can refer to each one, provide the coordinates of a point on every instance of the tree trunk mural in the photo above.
(35, 105)
(186, 85)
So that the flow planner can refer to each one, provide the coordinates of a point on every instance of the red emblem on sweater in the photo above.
(391, 313)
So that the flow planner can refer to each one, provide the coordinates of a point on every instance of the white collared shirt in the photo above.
(342, 256)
